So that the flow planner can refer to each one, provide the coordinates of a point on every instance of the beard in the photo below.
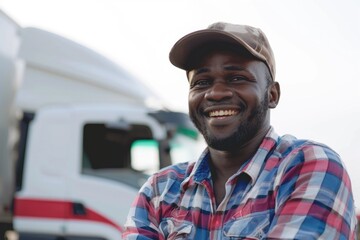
(245, 131)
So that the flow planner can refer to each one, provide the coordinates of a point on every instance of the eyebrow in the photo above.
(195, 72)
(201, 70)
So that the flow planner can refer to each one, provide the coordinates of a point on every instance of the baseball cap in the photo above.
(249, 38)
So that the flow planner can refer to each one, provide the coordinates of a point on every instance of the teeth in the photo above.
(221, 113)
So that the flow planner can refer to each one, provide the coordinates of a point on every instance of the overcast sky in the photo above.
(316, 46)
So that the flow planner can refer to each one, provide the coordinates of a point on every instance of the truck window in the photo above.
(108, 147)
(129, 154)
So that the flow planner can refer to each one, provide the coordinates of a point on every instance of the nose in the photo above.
(219, 91)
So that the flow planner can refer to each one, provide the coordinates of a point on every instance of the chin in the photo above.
(226, 144)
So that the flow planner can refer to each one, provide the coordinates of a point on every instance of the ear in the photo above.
(274, 94)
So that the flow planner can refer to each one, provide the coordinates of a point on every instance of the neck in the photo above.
(226, 163)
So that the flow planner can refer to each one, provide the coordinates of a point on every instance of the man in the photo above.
(249, 183)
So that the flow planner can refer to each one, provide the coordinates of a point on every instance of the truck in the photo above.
(79, 136)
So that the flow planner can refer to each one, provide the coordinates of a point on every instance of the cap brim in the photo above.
(182, 49)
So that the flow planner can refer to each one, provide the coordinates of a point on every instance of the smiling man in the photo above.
(249, 183)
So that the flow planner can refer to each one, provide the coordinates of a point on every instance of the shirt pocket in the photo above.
(173, 229)
(252, 226)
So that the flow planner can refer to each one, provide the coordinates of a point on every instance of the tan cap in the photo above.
(250, 38)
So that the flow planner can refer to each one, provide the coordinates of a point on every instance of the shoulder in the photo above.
(290, 147)
(307, 161)
(309, 158)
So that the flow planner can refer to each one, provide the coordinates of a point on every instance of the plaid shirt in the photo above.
(290, 189)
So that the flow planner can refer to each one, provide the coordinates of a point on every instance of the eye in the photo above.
(200, 83)
(237, 78)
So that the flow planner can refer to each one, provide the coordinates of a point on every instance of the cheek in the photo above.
(252, 95)
(194, 99)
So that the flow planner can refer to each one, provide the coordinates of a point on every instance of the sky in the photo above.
(315, 42)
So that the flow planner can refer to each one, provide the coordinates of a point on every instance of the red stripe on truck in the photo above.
(55, 209)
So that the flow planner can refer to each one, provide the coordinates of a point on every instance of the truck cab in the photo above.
(82, 168)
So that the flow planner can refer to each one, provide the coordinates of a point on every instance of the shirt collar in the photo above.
(257, 162)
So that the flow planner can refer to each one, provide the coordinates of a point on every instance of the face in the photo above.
(229, 98)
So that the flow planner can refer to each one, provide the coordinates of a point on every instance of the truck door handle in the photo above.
(78, 209)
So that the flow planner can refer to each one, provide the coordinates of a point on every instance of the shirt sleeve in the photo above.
(313, 197)
(141, 223)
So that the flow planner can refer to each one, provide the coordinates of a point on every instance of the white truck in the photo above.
(79, 136)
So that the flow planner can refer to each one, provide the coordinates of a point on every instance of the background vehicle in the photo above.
(79, 136)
